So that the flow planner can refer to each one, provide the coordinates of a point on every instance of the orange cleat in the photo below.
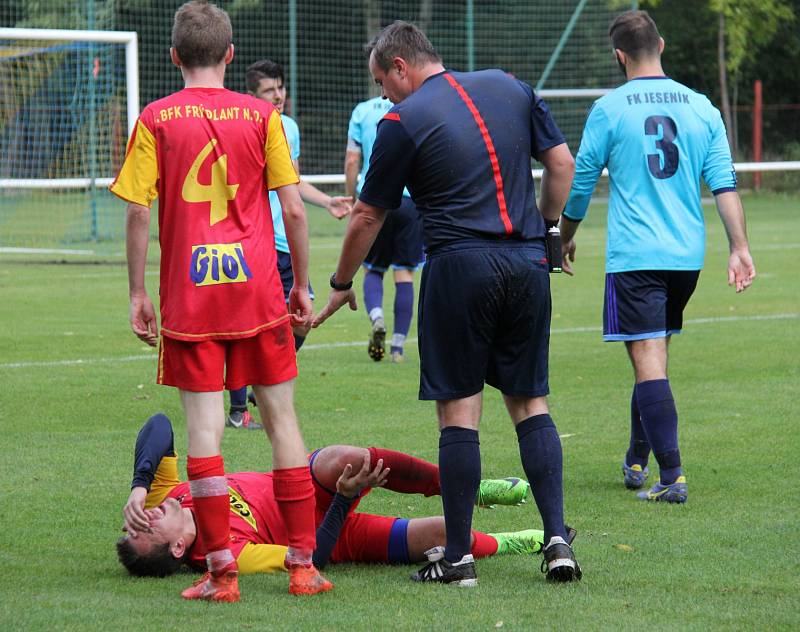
(306, 580)
(223, 587)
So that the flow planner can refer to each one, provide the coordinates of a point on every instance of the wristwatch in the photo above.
(340, 287)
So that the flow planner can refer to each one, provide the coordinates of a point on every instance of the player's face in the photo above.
(166, 525)
(393, 86)
(272, 91)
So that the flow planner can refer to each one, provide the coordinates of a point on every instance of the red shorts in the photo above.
(363, 538)
(213, 365)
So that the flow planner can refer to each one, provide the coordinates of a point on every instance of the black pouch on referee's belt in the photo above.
(552, 243)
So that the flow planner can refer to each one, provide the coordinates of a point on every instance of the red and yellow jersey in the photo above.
(210, 156)
(258, 534)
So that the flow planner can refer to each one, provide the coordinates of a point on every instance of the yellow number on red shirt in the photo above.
(219, 192)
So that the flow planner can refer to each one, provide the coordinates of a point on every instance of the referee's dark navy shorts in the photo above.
(642, 304)
(399, 242)
(484, 317)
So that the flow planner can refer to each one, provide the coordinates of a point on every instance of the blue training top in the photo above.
(657, 137)
(363, 128)
(292, 132)
(463, 144)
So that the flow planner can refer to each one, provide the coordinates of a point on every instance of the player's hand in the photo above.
(336, 299)
(136, 520)
(340, 206)
(568, 257)
(300, 308)
(741, 269)
(350, 485)
(143, 319)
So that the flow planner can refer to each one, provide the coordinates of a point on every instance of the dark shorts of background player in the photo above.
(643, 304)
(287, 276)
(399, 242)
(484, 317)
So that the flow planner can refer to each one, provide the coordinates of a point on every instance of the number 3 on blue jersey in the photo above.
(665, 144)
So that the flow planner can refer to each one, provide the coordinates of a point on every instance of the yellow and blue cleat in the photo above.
(674, 493)
(634, 475)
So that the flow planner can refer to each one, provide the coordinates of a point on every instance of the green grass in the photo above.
(728, 559)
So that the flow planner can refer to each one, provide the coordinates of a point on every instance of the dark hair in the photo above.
(201, 34)
(401, 39)
(159, 562)
(263, 69)
(635, 34)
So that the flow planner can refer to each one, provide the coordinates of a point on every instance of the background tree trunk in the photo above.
(723, 80)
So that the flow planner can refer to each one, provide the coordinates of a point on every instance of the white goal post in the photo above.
(130, 40)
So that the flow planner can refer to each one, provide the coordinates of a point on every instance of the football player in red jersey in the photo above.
(161, 533)
(210, 156)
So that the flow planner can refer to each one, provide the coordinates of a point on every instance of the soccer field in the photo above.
(77, 385)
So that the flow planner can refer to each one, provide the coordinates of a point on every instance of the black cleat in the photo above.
(559, 563)
(441, 571)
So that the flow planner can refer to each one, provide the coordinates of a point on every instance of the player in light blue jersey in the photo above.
(657, 138)
(265, 80)
(399, 243)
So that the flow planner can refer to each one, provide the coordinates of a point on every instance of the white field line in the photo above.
(337, 345)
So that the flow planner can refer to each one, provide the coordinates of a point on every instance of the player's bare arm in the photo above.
(568, 229)
(364, 226)
(352, 165)
(137, 234)
(741, 269)
(559, 169)
(338, 206)
(296, 223)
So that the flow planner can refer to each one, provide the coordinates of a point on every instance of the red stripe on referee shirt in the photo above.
(392, 116)
(498, 178)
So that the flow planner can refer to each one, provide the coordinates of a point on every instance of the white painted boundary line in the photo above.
(338, 345)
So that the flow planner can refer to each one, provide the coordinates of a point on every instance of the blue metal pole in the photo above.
(92, 124)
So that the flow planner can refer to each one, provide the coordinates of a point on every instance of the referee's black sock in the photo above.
(540, 451)
(459, 476)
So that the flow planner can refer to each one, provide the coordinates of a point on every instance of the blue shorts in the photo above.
(484, 317)
(399, 242)
(643, 304)
(287, 276)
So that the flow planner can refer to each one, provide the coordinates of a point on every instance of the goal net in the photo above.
(67, 102)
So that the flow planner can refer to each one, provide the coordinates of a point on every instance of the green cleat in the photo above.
(524, 542)
(502, 491)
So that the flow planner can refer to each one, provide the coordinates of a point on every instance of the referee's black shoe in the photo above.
(438, 569)
(559, 563)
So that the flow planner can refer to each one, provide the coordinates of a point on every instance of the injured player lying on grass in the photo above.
(162, 537)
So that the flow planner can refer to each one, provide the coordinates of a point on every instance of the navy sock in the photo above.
(373, 291)
(403, 307)
(639, 448)
(540, 451)
(660, 422)
(298, 342)
(459, 477)
(239, 399)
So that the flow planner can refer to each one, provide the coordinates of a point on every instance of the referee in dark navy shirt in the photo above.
(462, 143)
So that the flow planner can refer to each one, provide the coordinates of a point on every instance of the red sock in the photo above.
(484, 545)
(209, 488)
(294, 493)
(409, 475)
